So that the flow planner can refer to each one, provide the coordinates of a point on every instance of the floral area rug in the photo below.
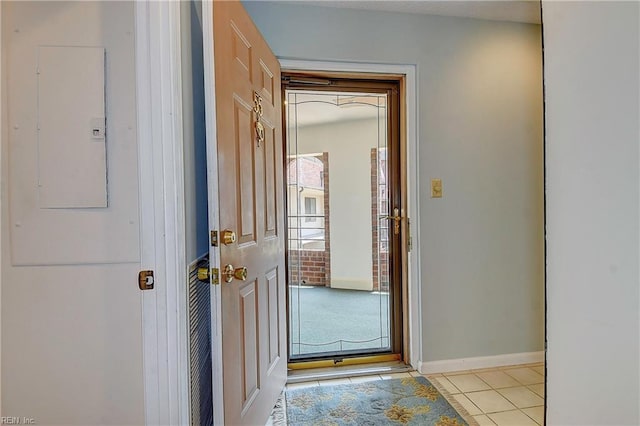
(409, 401)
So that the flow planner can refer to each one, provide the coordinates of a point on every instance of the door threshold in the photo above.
(298, 376)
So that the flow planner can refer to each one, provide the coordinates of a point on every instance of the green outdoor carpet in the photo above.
(409, 401)
(326, 319)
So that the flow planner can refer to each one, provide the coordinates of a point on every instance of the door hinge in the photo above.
(409, 239)
(214, 238)
(145, 280)
(215, 276)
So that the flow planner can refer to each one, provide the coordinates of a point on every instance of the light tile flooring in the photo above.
(505, 396)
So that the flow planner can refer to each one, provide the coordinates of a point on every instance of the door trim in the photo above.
(413, 296)
(161, 211)
(391, 85)
(214, 206)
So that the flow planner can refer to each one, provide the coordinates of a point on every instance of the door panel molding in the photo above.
(245, 184)
(270, 178)
(412, 296)
(251, 333)
(273, 339)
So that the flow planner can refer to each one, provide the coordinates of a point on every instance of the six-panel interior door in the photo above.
(249, 137)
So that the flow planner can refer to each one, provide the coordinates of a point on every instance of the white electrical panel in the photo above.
(72, 166)
(71, 129)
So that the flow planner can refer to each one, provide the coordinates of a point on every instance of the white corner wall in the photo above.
(480, 131)
(72, 334)
(592, 185)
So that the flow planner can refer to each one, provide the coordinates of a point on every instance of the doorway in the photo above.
(344, 200)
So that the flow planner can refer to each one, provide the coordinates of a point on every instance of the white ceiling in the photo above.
(527, 11)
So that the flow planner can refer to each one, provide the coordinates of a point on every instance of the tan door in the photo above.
(247, 84)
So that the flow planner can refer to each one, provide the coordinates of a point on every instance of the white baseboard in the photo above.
(448, 365)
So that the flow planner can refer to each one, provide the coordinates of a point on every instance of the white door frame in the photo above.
(413, 183)
(162, 212)
(214, 207)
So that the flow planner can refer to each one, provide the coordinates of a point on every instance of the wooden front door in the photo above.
(249, 138)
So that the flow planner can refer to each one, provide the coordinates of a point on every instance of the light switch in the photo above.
(436, 188)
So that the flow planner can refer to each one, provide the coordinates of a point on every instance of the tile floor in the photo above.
(505, 396)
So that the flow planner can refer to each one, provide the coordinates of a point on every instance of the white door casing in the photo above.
(162, 217)
(214, 213)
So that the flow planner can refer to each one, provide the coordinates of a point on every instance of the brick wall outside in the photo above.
(313, 266)
(327, 222)
(310, 172)
(308, 267)
(381, 269)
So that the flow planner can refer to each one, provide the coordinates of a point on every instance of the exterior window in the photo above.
(310, 209)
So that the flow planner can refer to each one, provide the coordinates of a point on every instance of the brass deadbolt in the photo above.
(204, 274)
(238, 273)
(228, 237)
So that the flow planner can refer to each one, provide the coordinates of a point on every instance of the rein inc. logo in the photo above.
(6, 420)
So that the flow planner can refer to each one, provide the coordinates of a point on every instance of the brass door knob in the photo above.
(204, 274)
(238, 273)
(228, 237)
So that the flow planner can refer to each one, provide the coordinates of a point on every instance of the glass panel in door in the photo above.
(338, 235)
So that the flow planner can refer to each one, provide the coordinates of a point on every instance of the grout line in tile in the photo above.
(486, 370)
(457, 373)
(484, 417)
(534, 420)
(471, 408)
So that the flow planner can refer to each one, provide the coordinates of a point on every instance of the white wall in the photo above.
(349, 145)
(480, 131)
(592, 133)
(71, 335)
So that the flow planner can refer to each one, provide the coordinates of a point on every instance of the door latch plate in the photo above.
(145, 280)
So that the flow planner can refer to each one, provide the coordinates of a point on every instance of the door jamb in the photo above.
(413, 187)
(161, 211)
(214, 206)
